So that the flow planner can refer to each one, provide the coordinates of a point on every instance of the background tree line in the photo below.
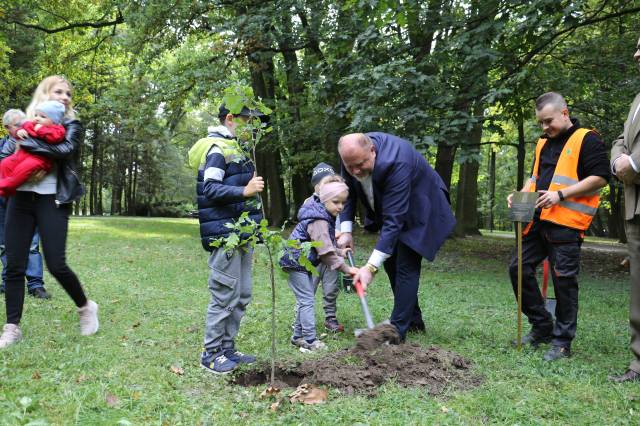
(456, 78)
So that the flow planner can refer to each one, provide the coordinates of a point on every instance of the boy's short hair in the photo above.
(13, 116)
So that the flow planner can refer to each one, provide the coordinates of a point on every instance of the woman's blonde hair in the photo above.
(43, 93)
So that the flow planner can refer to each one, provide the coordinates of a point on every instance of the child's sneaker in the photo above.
(10, 334)
(88, 318)
(217, 362)
(238, 357)
(316, 345)
(333, 325)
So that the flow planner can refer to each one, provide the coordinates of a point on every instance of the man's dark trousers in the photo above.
(562, 246)
(403, 269)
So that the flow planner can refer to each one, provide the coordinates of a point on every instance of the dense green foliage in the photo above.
(456, 78)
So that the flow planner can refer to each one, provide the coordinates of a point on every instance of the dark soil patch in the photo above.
(362, 371)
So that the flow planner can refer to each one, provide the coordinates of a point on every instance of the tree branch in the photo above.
(119, 20)
(593, 20)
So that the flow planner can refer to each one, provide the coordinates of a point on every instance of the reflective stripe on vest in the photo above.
(573, 212)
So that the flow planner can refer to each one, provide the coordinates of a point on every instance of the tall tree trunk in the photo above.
(467, 194)
(119, 180)
(616, 219)
(467, 200)
(492, 188)
(299, 179)
(93, 183)
(100, 182)
(269, 163)
(522, 152)
(134, 187)
(445, 157)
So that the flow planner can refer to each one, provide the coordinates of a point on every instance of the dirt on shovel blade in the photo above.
(383, 334)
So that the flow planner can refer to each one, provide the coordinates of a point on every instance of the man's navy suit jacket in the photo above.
(411, 202)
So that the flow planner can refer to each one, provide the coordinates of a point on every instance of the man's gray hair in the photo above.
(13, 116)
(551, 98)
(363, 140)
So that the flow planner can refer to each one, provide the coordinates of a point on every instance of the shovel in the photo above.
(363, 299)
(549, 302)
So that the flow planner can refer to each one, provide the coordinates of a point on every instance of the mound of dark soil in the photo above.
(363, 369)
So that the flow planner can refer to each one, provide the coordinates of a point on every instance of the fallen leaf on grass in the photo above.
(444, 409)
(135, 395)
(177, 370)
(270, 391)
(275, 405)
(112, 400)
(35, 375)
(309, 394)
(81, 378)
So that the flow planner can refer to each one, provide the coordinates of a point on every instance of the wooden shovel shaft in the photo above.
(519, 286)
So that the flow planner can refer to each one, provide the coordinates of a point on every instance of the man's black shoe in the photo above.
(533, 339)
(40, 293)
(2, 290)
(417, 327)
(557, 352)
(629, 376)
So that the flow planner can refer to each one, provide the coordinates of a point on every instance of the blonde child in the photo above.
(17, 168)
(317, 219)
(323, 173)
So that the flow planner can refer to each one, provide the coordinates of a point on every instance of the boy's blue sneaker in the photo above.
(217, 362)
(238, 357)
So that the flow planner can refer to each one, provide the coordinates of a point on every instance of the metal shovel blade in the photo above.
(550, 306)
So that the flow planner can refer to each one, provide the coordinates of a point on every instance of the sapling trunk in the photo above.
(273, 285)
(273, 317)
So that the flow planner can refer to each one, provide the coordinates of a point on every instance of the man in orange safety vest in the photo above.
(570, 167)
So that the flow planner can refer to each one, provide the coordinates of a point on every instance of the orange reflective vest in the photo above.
(573, 212)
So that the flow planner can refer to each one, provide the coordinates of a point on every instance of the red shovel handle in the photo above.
(545, 278)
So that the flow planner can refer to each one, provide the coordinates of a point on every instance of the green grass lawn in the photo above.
(149, 277)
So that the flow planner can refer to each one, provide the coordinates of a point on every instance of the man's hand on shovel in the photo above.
(364, 276)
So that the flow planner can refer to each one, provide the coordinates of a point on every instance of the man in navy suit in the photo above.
(404, 199)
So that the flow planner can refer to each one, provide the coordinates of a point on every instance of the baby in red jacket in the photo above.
(17, 168)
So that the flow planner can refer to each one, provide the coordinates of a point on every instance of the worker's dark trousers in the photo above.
(562, 246)
(403, 269)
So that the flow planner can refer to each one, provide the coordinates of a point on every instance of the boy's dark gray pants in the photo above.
(230, 284)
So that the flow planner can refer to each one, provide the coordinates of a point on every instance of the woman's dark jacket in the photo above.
(65, 154)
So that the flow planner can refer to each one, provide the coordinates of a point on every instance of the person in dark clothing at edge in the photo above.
(12, 120)
(570, 167)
